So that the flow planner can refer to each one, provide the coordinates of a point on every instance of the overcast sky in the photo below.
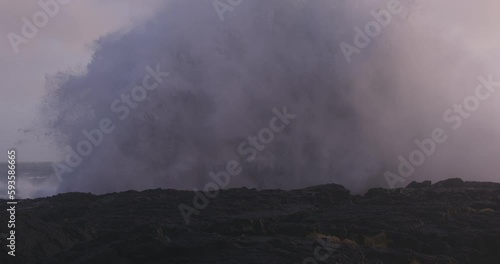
(64, 43)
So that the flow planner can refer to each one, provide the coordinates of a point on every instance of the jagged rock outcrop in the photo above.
(449, 222)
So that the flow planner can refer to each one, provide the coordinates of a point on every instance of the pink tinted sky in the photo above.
(62, 44)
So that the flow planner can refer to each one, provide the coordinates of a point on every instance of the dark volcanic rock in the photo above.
(449, 222)
(454, 182)
(419, 185)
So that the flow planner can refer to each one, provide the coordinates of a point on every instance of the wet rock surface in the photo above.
(447, 222)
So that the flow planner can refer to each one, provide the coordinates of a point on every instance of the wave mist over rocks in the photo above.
(451, 221)
(353, 120)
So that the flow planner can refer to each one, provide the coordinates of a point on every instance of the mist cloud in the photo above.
(353, 119)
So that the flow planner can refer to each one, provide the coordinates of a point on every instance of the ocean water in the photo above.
(33, 179)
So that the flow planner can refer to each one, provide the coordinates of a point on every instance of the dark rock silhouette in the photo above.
(418, 185)
(449, 222)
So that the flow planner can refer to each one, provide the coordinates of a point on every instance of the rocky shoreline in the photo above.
(451, 221)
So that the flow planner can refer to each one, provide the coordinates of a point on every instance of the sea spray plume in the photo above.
(352, 120)
(194, 123)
